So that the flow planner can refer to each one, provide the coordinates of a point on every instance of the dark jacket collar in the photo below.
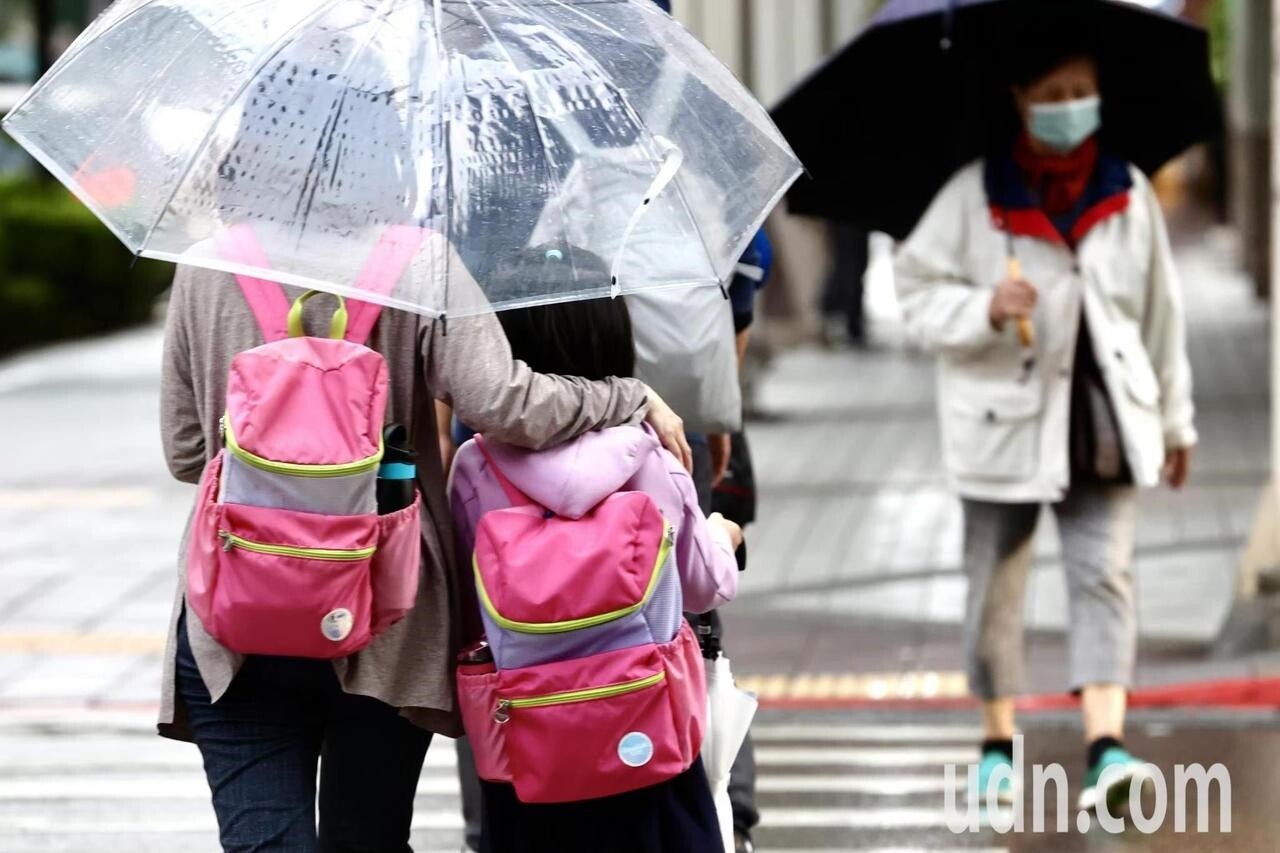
(1014, 210)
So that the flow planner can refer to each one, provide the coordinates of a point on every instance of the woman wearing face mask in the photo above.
(1063, 380)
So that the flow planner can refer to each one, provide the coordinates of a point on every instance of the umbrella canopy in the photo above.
(924, 90)
(321, 123)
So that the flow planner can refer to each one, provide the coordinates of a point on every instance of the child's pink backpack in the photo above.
(597, 685)
(287, 552)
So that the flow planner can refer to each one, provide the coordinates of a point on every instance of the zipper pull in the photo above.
(671, 535)
(503, 712)
(222, 428)
(227, 544)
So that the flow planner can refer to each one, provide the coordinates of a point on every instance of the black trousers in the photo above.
(677, 816)
(261, 743)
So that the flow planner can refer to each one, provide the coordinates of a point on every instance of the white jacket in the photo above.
(1005, 428)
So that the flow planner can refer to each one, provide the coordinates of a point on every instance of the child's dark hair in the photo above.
(590, 338)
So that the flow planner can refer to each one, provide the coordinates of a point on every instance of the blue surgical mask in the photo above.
(1063, 126)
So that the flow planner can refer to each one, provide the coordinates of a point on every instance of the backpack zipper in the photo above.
(505, 706)
(230, 541)
(296, 469)
(668, 542)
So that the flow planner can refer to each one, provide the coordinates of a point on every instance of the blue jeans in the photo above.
(261, 743)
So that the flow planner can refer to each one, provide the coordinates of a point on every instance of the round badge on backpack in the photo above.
(635, 749)
(337, 624)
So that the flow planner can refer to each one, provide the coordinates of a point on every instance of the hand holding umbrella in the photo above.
(1015, 299)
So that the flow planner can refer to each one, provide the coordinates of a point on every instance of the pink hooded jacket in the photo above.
(574, 477)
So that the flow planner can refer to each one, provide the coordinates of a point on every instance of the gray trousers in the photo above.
(1096, 526)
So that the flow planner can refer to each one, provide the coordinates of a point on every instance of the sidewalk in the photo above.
(855, 564)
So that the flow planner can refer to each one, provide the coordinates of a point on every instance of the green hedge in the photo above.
(62, 273)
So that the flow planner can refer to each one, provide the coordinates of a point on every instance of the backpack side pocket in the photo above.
(397, 566)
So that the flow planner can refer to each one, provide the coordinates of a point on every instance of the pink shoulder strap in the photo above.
(387, 262)
(266, 299)
(392, 255)
(517, 497)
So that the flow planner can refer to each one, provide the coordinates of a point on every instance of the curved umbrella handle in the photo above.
(1026, 329)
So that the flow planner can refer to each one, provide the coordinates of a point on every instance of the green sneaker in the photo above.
(1123, 771)
(992, 760)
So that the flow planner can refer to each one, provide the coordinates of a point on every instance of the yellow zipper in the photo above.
(505, 706)
(668, 541)
(230, 540)
(297, 469)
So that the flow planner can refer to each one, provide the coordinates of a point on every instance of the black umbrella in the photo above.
(922, 91)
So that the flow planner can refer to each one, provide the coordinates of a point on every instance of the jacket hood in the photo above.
(574, 477)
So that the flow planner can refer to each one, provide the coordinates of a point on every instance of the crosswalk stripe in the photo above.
(895, 785)
(899, 850)
(870, 756)
(192, 786)
(161, 787)
(853, 818)
(155, 754)
(867, 733)
(433, 819)
(108, 777)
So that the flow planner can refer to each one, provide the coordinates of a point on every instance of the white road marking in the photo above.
(888, 733)
(187, 786)
(870, 756)
(895, 785)
(51, 824)
(83, 498)
(854, 818)
(898, 850)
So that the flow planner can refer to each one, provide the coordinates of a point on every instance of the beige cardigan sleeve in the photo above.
(181, 432)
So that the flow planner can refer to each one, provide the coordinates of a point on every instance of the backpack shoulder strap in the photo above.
(266, 299)
(391, 256)
(517, 497)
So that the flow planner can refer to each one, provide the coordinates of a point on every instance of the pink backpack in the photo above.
(597, 685)
(287, 553)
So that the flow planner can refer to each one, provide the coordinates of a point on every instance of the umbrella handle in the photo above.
(1026, 329)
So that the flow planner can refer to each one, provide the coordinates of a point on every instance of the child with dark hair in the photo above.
(592, 338)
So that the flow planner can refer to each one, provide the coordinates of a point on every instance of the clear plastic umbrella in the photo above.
(321, 123)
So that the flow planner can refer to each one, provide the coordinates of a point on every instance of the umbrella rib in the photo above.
(537, 121)
(589, 19)
(305, 200)
(587, 59)
(133, 105)
(73, 51)
(279, 45)
(446, 137)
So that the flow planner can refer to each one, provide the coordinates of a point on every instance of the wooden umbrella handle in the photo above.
(1026, 329)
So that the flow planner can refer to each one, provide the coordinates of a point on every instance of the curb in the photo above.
(1225, 693)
